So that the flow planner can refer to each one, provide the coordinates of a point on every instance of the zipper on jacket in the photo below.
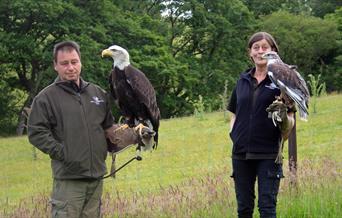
(89, 141)
(254, 93)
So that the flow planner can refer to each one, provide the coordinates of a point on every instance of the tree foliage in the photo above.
(265, 7)
(187, 48)
(321, 8)
(28, 31)
(306, 41)
(203, 35)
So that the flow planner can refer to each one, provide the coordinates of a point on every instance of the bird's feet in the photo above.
(125, 126)
(139, 128)
(275, 117)
(275, 109)
(146, 136)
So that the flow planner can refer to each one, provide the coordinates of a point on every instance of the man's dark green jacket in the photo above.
(68, 122)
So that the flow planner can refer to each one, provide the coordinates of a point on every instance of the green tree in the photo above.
(28, 29)
(210, 36)
(334, 78)
(322, 7)
(306, 41)
(266, 7)
(10, 101)
(187, 48)
(144, 34)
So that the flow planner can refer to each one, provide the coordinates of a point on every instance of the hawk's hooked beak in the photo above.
(106, 53)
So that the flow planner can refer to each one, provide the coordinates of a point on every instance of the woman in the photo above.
(255, 138)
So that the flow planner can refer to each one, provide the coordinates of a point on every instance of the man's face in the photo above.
(68, 65)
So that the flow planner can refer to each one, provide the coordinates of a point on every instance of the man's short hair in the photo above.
(66, 46)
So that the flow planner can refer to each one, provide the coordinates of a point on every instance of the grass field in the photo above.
(189, 174)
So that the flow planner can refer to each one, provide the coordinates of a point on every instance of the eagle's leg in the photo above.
(125, 126)
(139, 128)
(113, 168)
(279, 158)
(138, 153)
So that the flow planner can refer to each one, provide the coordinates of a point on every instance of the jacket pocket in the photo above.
(59, 208)
(234, 133)
(276, 173)
(58, 152)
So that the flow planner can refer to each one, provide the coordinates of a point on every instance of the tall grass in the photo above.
(189, 174)
(317, 195)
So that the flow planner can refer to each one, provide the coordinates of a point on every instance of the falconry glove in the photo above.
(119, 139)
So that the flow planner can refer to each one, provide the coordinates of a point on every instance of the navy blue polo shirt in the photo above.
(254, 135)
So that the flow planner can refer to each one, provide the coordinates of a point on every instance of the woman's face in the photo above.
(257, 50)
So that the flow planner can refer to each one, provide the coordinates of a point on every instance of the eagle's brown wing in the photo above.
(111, 85)
(145, 92)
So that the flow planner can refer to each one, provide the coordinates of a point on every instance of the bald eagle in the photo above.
(132, 92)
(292, 86)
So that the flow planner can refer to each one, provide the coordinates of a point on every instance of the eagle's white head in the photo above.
(272, 57)
(120, 56)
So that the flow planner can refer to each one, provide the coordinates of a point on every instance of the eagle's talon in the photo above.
(123, 127)
(139, 128)
(146, 136)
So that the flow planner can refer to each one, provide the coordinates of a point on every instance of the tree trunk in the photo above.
(23, 117)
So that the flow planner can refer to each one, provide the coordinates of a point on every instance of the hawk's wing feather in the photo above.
(296, 96)
(303, 87)
(291, 84)
(285, 74)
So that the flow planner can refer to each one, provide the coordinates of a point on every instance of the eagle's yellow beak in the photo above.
(106, 53)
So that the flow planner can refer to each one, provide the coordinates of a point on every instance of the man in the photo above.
(69, 121)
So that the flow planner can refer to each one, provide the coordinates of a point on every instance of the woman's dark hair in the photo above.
(66, 46)
(263, 35)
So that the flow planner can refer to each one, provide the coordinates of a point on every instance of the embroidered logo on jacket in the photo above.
(271, 86)
(96, 100)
